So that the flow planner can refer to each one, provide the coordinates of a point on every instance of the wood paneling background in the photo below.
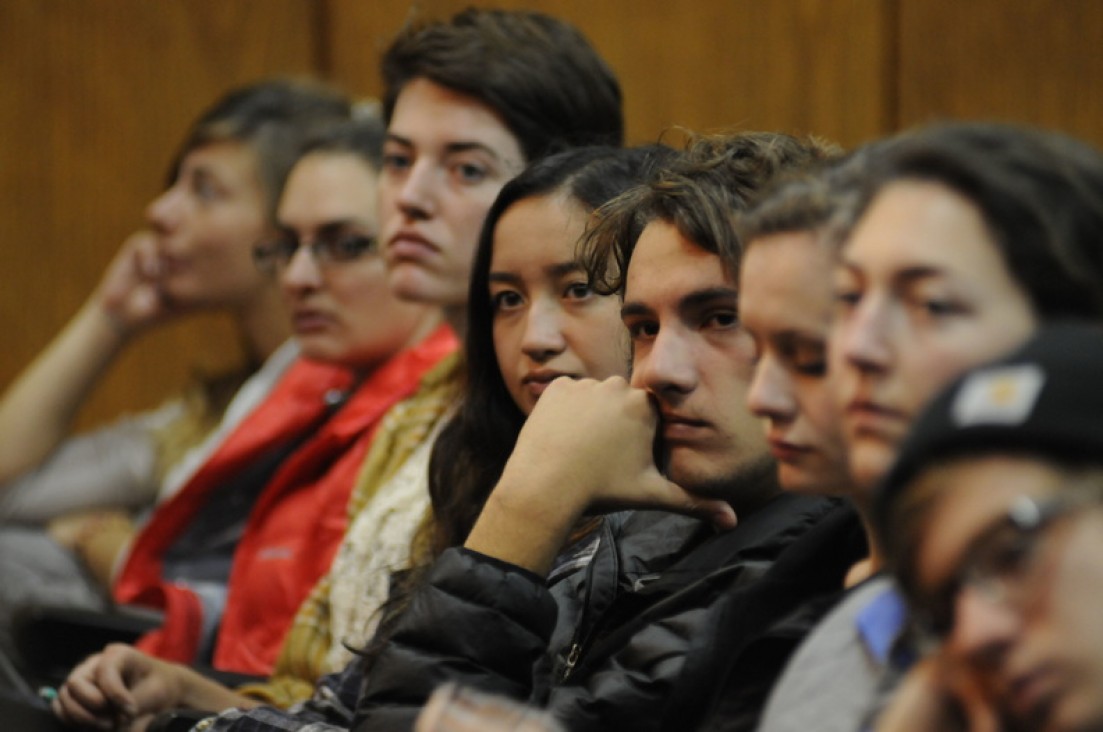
(94, 97)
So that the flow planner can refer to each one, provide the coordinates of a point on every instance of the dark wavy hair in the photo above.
(472, 449)
(540, 74)
(712, 181)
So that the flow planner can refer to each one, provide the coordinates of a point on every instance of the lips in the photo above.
(679, 428)
(537, 381)
(408, 245)
(310, 321)
(864, 416)
(784, 451)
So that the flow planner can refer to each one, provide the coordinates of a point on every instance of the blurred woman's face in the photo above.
(548, 323)
(206, 225)
(341, 307)
(921, 295)
(785, 303)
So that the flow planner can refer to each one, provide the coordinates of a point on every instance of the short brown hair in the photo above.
(539, 73)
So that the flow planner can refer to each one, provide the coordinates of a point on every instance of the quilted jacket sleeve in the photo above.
(476, 621)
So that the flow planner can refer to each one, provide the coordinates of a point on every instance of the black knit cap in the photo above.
(1045, 399)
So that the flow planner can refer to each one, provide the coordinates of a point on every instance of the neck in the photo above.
(875, 562)
(456, 316)
(425, 326)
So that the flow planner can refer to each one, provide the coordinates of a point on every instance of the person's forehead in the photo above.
(665, 262)
(428, 113)
(968, 495)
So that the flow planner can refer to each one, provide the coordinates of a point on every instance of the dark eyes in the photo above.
(505, 300)
(722, 319)
(642, 330)
(277, 253)
(396, 161)
(578, 291)
(470, 173)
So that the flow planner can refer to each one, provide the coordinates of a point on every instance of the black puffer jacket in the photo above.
(604, 648)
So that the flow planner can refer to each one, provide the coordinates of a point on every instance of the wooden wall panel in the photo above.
(94, 98)
(1031, 61)
(95, 95)
(795, 65)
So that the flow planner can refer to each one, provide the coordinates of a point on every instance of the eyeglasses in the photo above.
(1004, 563)
(329, 246)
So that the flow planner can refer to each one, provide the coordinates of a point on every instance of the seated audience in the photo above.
(363, 350)
(931, 281)
(968, 235)
(70, 504)
(460, 124)
(992, 522)
(468, 100)
(627, 639)
(533, 318)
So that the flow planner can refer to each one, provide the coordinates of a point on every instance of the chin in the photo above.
(870, 463)
(315, 349)
(411, 283)
(734, 483)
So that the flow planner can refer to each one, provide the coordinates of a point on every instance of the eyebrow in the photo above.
(692, 301)
(704, 297)
(451, 148)
(904, 276)
(554, 271)
(635, 310)
(329, 228)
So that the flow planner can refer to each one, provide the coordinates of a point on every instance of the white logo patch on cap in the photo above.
(998, 396)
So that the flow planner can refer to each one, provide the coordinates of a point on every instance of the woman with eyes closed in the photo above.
(362, 350)
(786, 301)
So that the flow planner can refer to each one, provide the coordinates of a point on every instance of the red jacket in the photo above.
(295, 526)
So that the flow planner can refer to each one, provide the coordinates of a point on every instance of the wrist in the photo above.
(525, 523)
(106, 322)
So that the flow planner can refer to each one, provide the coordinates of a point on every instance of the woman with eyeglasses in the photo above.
(241, 545)
(992, 521)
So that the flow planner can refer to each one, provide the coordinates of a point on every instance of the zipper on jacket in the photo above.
(572, 659)
(581, 633)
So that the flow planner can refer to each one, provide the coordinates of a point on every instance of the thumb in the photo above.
(675, 498)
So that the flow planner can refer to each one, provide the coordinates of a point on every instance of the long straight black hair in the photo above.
(473, 447)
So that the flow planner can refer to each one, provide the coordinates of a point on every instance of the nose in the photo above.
(983, 628)
(664, 367)
(302, 271)
(163, 213)
(770, 394)
(865, 336)
(543, 336)
(417, 190)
